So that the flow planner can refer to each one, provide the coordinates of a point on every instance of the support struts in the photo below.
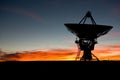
(86, 44)
(87, 35)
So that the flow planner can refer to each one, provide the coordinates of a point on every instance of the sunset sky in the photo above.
(38, 25)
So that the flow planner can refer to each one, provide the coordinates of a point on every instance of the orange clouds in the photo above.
(40, 56)
(103, 53)
(111, 52)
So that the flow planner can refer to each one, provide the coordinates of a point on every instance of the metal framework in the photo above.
(87, 35)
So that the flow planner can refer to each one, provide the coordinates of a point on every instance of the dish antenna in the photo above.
(87, 35)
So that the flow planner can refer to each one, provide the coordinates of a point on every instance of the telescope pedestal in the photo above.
(87, 56)
(86, 45)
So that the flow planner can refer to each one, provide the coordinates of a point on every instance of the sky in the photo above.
(31, 25)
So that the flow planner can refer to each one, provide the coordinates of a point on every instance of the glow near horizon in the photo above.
(32, 28)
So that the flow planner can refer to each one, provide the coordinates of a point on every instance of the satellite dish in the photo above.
(88, 30)
(87, 34)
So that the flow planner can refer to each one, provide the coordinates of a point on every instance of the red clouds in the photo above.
(111, 52)
(40, 56)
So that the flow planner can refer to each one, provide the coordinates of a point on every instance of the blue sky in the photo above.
(39, 24)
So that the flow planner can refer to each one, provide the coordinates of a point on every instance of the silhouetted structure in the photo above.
(87, 34)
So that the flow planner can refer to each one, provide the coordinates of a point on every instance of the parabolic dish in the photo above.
(88, 30)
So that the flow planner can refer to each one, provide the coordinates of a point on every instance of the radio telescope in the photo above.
(87, 35)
